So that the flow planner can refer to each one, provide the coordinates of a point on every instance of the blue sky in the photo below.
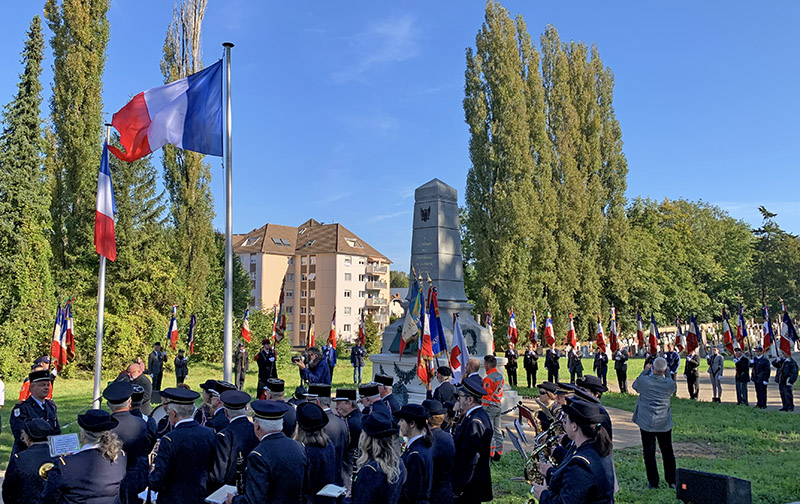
(341, 109)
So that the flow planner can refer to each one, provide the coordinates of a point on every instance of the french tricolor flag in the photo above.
(105, 241)
(186, 113)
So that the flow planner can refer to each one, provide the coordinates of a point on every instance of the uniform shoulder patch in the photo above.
(16, 412)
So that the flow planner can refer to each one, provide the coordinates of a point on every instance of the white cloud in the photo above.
(388, 41)
(379, 218)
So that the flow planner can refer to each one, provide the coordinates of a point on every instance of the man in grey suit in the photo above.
(654, 418)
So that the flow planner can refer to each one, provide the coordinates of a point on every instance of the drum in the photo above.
(159, 412)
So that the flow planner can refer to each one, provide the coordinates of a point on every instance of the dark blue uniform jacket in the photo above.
(180, 472)
(238, 437)
(583, 478)
(22, 484)
(276, 469)
(85, 477)
(418, 460)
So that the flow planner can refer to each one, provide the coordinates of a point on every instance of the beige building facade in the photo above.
(325, 267)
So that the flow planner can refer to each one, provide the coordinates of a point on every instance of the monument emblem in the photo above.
(425, 214)
(436, 254)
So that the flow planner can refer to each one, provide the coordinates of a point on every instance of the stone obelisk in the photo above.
(436, 253)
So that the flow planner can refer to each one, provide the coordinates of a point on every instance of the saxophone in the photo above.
(543, 446)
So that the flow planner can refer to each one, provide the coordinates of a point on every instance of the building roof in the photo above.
(310, 237)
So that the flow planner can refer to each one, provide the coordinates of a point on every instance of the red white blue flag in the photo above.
(513, 334)
(654, 336)
(549, 334)
(192, 323)
(533, 336)
(692, 335)
(571, 338)
(613, 330)
(186, 113)
(741, 327)
(332, 333)
(788, 333)
(601, 337)
(105, 240)
(172, 333)
(769, 337)
(459, 355)
(246, 326)
(680, 337)
(639, 329)
(727, 332)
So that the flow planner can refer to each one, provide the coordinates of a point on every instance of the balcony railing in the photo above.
(378, 285)
(376, 301)
(380, 319)
(377, 269)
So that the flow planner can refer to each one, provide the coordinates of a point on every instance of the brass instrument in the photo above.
(44, 470)
(543, 446)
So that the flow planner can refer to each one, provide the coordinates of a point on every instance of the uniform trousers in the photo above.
(512, 376)
(761, 395)
(622, 379)
(531, 375)
(649, 450)
(787, 396)
(741, 393)
(693, 385)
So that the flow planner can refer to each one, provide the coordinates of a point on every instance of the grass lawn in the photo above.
(760, 446)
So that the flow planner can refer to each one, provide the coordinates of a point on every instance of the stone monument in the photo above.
(436, 252)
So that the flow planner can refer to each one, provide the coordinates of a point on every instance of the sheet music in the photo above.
(63, 444)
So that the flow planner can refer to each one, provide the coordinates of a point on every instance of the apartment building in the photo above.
(326, 267)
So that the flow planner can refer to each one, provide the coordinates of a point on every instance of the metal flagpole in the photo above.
(101, 306)
(226, 148)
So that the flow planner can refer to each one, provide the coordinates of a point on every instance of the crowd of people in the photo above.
(353, 444)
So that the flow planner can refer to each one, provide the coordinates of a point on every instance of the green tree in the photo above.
(398, 279)
(27, 296)
(500, 185)
(374, 341)
(776, 266)
(80, 35)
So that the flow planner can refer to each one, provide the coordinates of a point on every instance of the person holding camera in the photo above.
(316, 371)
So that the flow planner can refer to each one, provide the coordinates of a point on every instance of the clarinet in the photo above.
(240, 468)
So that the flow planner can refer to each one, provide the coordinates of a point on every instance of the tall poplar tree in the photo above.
(186, 176)
(27, 294)
(500, 188)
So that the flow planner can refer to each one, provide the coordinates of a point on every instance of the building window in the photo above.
(302, 310)
(312, 277)
(290, 277)
(303, 277)
(289, 310)
(362, 294)
(348, 277)
(348, 293)
(360, 311)
(361, 261)
(347, 310)
(346, 328)
(353, 243)
(362, 278)
(290, 261)
(303, 294)
(252, 267)
(312, 293)
(252, 258)
(303, 260)
(252, 284)
(348, 261)
(251, 241)
(290, 326)
(302, 326)
(312, 260)
(311, 310)
(289, 294)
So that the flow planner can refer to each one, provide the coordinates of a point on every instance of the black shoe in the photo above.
(496, 457)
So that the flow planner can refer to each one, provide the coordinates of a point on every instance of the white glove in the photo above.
(272, 359)
(766, 383)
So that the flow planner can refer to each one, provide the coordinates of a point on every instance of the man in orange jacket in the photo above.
(492, 401)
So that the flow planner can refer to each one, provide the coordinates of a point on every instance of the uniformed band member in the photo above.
(385, 383)
(346, 405)
(742, 377)
(132, 431)
(336, 428)
(322, 468)
(574, 364)
(547, 396)
(761, 372)
(183, 456)
(551, 357)
(418, 458)
(266, 364)
(23, 483)
(443, 451)
(446, 391)
(371, 398)
(211, 391)
(472, 479)
(35, 406)
(236, 440)
(512, 356)
(277, 465)
(587, 476)
(93, 474)
(381, 472)
(155, 365)
(785, 378)
(621, 368)
(181, 367)
(600, 365)
(530, 362)
(136, 405)
(274, 391)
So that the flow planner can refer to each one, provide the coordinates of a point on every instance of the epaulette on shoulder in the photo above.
(415, 452)
(221, 434)
(168, 439)
(369, 466)
(582, 459)
(16, 455)
(61, 458)
(255, 453)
